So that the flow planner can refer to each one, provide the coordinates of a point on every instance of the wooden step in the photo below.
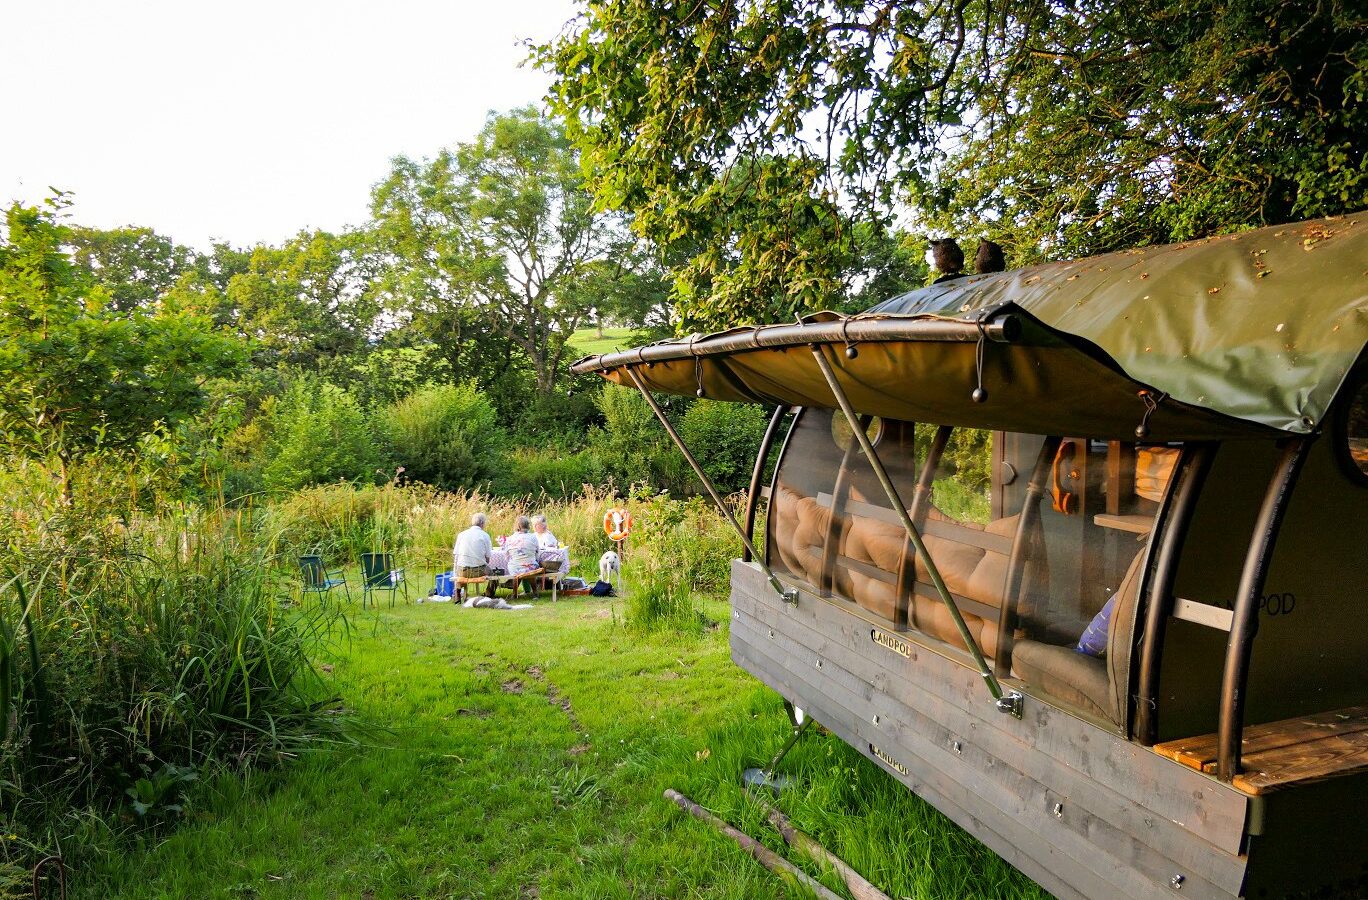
(1281, 754)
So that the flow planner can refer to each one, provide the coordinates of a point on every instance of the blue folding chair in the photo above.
(320, 580)
(379, 574)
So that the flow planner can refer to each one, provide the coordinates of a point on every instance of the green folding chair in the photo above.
(320, 580)
(378, 573)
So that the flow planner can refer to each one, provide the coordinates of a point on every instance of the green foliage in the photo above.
(134, 653)
(135, 266)
(546, 472)
(1058, 129)
(386, 375)
(445, 436)
(77, 376)
(503, 228)
(341, 521)
(724, 437)
(301, 303)
(317, 434)
(633, 446)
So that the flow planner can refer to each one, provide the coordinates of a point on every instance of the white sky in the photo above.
(248, 120)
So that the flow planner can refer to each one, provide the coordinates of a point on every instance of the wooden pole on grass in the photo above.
(762, 854)
(859, 887)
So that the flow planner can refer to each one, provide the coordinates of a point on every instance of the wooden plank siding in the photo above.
(1129, 819)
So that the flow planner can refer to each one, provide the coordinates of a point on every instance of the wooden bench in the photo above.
(1277, 755)
(499, 580)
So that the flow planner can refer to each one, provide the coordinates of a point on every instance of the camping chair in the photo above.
(320, 580)
(379, 574)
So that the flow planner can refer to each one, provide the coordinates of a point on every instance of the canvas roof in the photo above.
(1245, 335)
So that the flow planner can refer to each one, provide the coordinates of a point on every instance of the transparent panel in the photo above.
(1082, 551)
(1355, 437)
(1062, 570)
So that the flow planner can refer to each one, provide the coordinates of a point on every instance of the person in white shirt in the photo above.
(470, 555)
(545, 539)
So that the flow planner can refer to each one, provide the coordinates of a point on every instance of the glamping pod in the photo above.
(1079, 553)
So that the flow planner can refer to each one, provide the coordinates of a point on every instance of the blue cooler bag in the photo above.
(446, 585)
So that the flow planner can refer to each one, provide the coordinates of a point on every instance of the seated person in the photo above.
(545, 539)
(470, 555)
(521, 547)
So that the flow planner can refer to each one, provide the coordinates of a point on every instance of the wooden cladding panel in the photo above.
(926, 749)
(1121, 801)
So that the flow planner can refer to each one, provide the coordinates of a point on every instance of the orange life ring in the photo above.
(617, 523)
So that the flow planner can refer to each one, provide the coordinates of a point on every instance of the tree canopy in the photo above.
(503, 226)
(79, 375)
(754, 135)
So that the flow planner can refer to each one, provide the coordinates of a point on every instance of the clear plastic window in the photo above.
(1058, 566)
(1355, 438)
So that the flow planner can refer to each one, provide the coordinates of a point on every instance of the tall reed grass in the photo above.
(135, 652)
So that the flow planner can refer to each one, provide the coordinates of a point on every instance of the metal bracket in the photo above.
(1011, 703)
(789, 595)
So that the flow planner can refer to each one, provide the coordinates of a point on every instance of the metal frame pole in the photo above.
(758, 473)
(1174, 518)
(1010, 703)
(1016, 562)
(1245, 624)
(788, 595)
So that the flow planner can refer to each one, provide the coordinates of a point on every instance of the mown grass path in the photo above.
(524, 756)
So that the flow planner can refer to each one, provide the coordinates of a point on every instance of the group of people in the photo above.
(474, 547)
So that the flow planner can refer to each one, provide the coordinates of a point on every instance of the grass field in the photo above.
(523, 754)
(586, 342)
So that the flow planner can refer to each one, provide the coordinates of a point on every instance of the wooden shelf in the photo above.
(1133, 524)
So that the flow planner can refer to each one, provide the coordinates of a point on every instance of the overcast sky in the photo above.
(248, 120)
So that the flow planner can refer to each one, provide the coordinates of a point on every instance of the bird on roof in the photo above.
(947, 258)
(989, 258)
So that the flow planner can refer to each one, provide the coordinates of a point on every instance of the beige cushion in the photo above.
(877, 596)
(1097, 686)
(1074, 678)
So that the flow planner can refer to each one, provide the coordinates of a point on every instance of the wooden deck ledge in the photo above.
(1278, 755)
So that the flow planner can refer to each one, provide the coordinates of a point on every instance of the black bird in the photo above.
(989, 258)
(948, 259)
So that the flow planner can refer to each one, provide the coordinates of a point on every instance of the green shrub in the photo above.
(549, 472)
(724, 437)
(633, 446)
(319, 434)
(446, 436)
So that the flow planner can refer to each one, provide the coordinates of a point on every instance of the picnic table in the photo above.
(498, 559)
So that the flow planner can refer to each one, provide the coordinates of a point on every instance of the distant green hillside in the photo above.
(586, 342)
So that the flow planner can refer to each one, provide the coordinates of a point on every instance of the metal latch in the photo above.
(1012, 702)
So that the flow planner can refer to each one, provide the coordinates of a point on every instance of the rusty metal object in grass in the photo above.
(762, 854)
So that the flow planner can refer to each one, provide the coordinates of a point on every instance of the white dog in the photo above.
(610, 566)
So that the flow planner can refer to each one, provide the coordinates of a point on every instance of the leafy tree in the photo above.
(386, 374)
(752, 135)
(136, 266)
(318, 434)
(501, 226)
(308, 300)
(446, 436)
(78, 376)
(725, 438)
